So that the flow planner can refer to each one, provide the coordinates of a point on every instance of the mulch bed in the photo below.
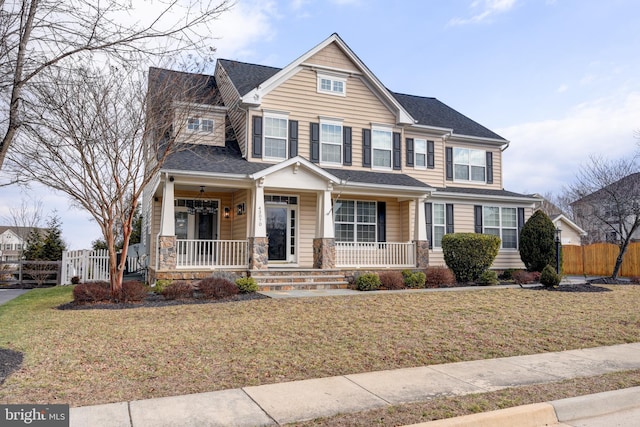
(154, 300)
(9, 361)
(582, 287)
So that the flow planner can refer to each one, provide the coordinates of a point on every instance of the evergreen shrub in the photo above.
(469, 254)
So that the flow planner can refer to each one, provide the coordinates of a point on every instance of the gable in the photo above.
(331, 56)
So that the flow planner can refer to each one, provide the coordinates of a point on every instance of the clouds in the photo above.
(484, 11)
(546, 155)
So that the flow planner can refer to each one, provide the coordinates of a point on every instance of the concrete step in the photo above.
(287, 279)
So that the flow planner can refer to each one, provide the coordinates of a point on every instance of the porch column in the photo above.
(167, 239)
(324, 245)
(258, 241)
(420, 235)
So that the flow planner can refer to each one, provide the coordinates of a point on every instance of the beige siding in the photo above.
(240, 222)
(332, 56)
(185, 135)
(434, 177)
(497, 166)
(230, 96)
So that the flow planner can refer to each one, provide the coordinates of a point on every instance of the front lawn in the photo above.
(85, 357)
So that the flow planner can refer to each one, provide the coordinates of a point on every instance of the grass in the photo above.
(98, 356)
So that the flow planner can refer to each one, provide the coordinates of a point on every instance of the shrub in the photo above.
(217, 288)
(549, 277)
(414, 279)
(488, 278)
(133, 291)
(469, 254)
(178, 290)
(161, 285)
(246, 285)
(522, 277)
(436, 277)
(75, 280)
(635, 280)
(391, 280)
(507, 274)
(537, 242)
(368, 282)
(91, 292)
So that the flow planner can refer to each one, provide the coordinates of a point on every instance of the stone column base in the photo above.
(422, 254)
(258, 253)
(168, 259)
(324, 253)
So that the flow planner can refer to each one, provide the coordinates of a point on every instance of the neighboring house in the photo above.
(324, 169)
(12, 242)
(604, 213)
(571, 234)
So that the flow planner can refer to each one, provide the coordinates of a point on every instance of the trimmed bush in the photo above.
(522, 277)
(414, 279)
(437, 277)
(469, 254)
(161, 285)
(488, 278)
(391, 280)
(549, 277)
(507, 274)
(133, 291)
(537, 242)
(91, 292)
(217, 288)
(178, 290)
(247, 285)
(368, 282)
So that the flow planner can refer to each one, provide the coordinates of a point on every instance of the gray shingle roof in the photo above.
(484, 192)
(212, 159)
(182, 86)
(379, 178)
(245, 77)
(431, 112)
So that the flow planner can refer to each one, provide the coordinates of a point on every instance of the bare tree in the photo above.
(91, 142)
(606, 198)
(37, 36)
(24, 218)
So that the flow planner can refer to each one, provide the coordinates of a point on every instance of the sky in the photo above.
(559, 79)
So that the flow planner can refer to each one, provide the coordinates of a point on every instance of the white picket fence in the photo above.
(89, 266)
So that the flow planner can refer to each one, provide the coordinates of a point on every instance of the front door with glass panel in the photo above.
(281, 227)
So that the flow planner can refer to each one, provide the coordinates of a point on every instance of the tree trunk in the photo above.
(619, 259)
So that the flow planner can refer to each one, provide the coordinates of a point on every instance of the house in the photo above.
(12, 242)
(571, 234)
(609, 213)
(323, 170)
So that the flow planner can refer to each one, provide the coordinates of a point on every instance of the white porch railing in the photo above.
(212, 253)
(381, 254)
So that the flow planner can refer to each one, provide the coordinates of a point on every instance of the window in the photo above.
(275, 137)
(196, 124)
(193, 123)
(501, 222)
(331, 85)
(207, 125)
(331, 142)
(420, 149)
(469, 165)
(355, 221)
(439, 224)
(381, 143)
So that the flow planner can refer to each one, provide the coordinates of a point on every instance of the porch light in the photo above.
(227, 211)
(200, 205)
(240, 209)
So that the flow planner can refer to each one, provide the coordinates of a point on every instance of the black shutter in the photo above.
(256, 138)
(431, 158)
(382, 222)
(449, 214)
(478, 218)
(489, 167)
(346, 147)
(520, 222)
(315, 142)
(397, 151)
(293, 138)
(449, 162)
(410, 154)
(428, 209)
(366, 148)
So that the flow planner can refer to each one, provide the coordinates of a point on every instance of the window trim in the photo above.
(196, 124)
(331, 122)
(501, 226)
(285, 139)
(434, 225)
(333, 80)
(415, 153)
(469, 165)
(386, 129)
(355, 222)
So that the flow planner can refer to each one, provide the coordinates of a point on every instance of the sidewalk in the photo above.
(276, 404)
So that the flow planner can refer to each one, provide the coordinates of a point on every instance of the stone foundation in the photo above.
(258, 253)
(167, 260)
(422, 254)
(324, 253)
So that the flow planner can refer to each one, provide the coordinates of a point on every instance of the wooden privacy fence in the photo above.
(30, 273)
(598, 259)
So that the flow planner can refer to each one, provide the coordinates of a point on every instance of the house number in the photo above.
(260, 216)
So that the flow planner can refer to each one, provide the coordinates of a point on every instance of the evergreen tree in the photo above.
(53, 245)
(33, 245)
(537, 242)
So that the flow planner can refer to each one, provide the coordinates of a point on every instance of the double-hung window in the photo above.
(275, 137)
(469, 165)
(331, 141)
(381, 143)
(355, 221)
(439, 224)
(502, 222)
(420, 150)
